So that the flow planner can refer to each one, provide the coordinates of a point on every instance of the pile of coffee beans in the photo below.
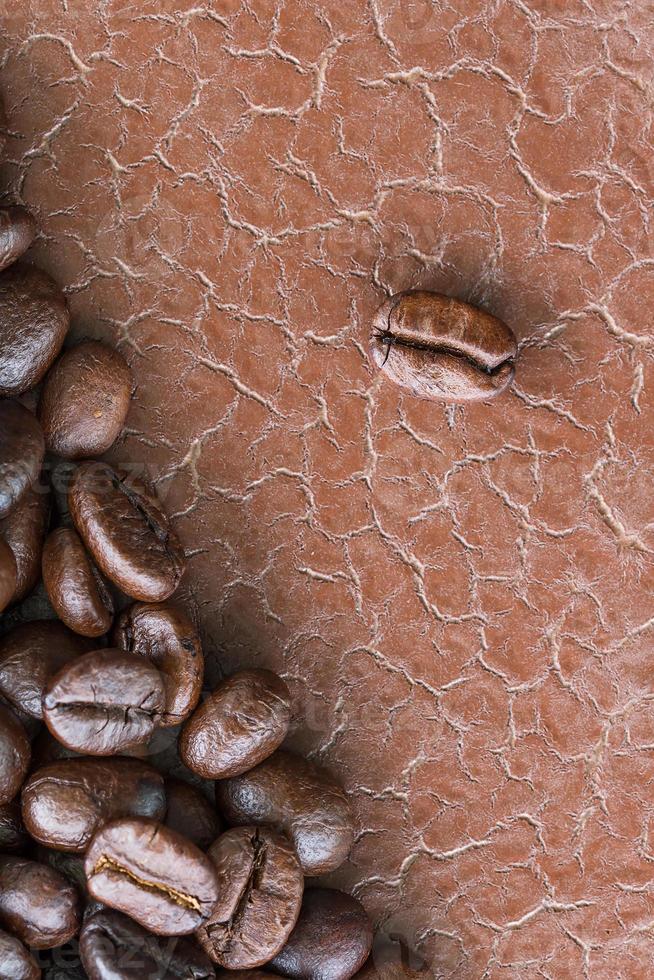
(150, 876)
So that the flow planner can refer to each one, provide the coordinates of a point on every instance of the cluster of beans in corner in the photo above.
(95, 842)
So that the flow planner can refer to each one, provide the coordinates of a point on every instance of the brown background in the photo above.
(461, 598)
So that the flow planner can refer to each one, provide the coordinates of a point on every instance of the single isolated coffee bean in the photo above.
(8, 574)
(17, 231)
(24, 531)
(21, 453)
(104, 702)
(84, 401)
(441, 348)
(165, 636)
(75, 588)
(13, 836)
(301, 799)
(240, 724)
(17, 961)
(66, 802)
(114, 947)
(34, 320)
(126, 532)
(190, 813)
(153, 875)
(333, 938)
(260, 886)
(15, 755)
(36, 903)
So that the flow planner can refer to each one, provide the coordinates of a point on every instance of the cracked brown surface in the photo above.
(460, 598)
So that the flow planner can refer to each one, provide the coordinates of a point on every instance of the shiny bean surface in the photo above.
(21, 453)
(36, 903)
(75, 588)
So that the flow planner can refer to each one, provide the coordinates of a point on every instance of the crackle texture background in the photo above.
(461, 598)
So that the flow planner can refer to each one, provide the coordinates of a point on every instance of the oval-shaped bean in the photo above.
(13, 836)
(190, 813)
(17, 961)
(66, 802)
(84, 401)
(300, 798)
(34, 320)
(75, 588)
(8, 574)
(166, 636)
(21, 453)
(15, 755)
(153, 875)
(24, 531)
(104, 702)
(36, 903)
(17, 231)
(126, 532)
(239, 725)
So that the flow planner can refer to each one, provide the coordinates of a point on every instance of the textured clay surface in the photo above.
(460, 599)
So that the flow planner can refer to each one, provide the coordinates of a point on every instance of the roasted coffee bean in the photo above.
(333, 938)
(239, 725)
(8, 574)
(113, 947)
(17, 231)
(441, 348)
(24, 531)
(13, 836)
(126, 531)
(66, 802)
(301, 799)
(15, 755)
(104, 702)
(190, 813)
(166, 636)
(36, 903)
(30, 655)
(75, 588)
(260, 886)
(34, 320)
(21, 453)
(84, 401)
(17, 961)
(153, 875)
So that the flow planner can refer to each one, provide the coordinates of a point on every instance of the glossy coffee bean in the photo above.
(17, 231)
(66, 802)
(190, 813)
(8, 575)
(113, 947)
(84, 401)
(153, 875)
(260, 886)
(15, 755)
(17, 961)
(21, 453)
(36, 903)
(24, 531)
(441, 348)
(104, 702)
(126, 532)
(165, 636)
(240, 724)
(30, 654)
(13, 836)
(34, 320)
(75, 588)
(301, 799)
(333, 938)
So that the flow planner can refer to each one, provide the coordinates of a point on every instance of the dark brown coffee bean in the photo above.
(104, 702)
(333, 938)
(240, 724)
(75, 588)
(260, 886)
(190, 813)
(127, 533)
(17, 961)
(153, 875)
(301, 799)
(30, 655)
(66, 802)
(441, 348)
(21, 453)
(84, 401)
(166, 636)
(34, 320)
(8, 574)
(24, 531)
(113, 947)
(15, 755)
(13, 836)
(36, 903)
(17, 231)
